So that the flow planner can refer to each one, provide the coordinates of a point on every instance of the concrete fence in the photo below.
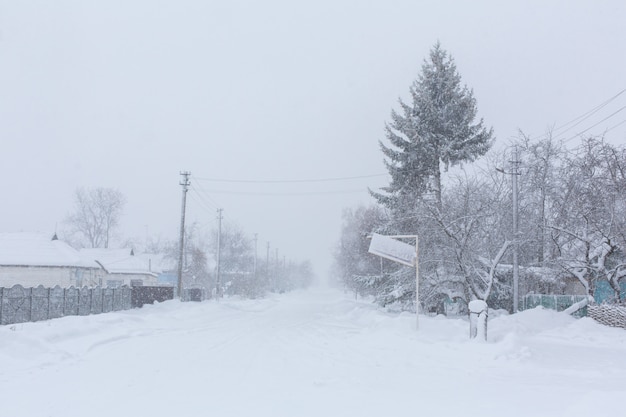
(19, 304)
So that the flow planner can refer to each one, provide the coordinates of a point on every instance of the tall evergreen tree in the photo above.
(437, 130)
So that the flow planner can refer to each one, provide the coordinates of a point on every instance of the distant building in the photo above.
(163, 266)
(122, 267)
(33, 259)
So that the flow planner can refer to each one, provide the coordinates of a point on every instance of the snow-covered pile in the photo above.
(316, 353)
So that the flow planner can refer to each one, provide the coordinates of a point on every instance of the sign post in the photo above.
(390, 248)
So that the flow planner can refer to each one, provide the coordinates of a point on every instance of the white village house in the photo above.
(33, 259)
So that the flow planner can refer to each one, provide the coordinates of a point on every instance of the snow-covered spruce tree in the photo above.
(438, 129)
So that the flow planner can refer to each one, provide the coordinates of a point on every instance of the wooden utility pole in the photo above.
(256, 253)
(267, 265)
(514, 175)
(181, 243)
(218, 285)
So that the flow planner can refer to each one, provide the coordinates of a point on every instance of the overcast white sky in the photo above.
(126, 94)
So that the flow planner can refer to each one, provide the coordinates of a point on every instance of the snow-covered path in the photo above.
(315, 353)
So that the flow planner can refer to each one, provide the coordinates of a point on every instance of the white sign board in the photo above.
(393, 249)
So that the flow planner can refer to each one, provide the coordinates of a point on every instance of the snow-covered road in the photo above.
(314, 353)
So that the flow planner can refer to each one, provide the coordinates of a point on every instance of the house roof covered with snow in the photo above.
(118, 261)
(39, 249)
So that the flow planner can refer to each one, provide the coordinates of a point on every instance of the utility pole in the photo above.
(267, 265)
(218, 286)
(276, 272)
(181, 243)
(514, 174)
(256, 253)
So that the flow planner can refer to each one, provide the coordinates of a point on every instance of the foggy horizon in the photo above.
(262, 102)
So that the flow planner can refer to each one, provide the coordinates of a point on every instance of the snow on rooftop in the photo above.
(119, 261)
(38, 249)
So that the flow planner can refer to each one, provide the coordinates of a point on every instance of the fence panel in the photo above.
(107, 300)
(84, 301)
(121, 298)
(548, 301)
(96, 300)
(532, 301)
(57, 302)
(127, 296)
(15, 305)
(71, 301)
(40, 303)
(554, 302)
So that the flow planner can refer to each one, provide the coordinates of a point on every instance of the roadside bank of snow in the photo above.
(307, 354)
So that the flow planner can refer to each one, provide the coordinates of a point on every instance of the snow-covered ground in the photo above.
(314, 353)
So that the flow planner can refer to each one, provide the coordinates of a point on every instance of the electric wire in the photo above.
(615, 126)
(287, 181)
(289, 194)
(596, 124)
(200, 190)
(201, 205)
(588, 114)
(581, 118)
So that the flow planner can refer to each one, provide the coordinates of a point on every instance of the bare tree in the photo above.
(236, 259)
(96, 215)
(589, 229)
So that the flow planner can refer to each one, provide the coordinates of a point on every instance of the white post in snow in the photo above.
(478, 313)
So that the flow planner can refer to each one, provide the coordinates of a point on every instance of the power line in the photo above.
(206, 195)
(289, 194)
(300, 180)
(596, 124)
(204, 200)
(202, 205)
(615, 126)
(581, 118)
(588, 114)
(291, 180)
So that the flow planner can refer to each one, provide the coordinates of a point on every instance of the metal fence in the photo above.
(553, 302)
(19, 304)
(148, 295)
